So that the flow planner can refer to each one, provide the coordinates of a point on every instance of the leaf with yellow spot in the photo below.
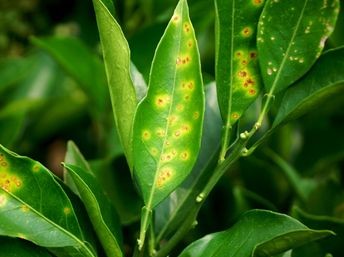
(33, 206)
(238, 78)
(168, 121)
(291, 36)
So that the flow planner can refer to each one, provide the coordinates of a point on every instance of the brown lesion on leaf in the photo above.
(242, 73)
(249, 82)
(253, 55)
(190, 43)
(258, 2)
(163, 177)
(252, 91)
(186, 28)
(246, 31)
(244, 62)
(235, 115)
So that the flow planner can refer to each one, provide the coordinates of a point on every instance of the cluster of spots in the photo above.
(189, 85)
(164, 175)
(182, 61)
(186, 28)
(8, 183)
(3, 163)
(162, 100)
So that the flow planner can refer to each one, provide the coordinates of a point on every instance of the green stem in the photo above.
(225, 138)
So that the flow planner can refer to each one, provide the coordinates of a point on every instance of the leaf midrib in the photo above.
(52, 223)
(288, 50)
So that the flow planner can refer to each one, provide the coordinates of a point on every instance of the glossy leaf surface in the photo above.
(102, 214)
(168, 122)
(117, 65)
(33, 206)
(238, 77)
(171, 213)
(257, 233)
(15, 247)
(291, 36)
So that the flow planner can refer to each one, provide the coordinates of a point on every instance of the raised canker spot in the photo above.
(175, 18)
(4, 164)
(185, 127)
(187, 59)
(184, 155)
(242, 73)
(178, 61)
(235, 115)
(174, 152)
(244, 62)
(177, 133)
(160, 101)
(67, 210)
(190, 43)
(252, 92)
(196, 114)
(186, 28)
(36, 168)
(179, 107)
(253, 55)
(246, 31)
(145, 134)
(301, 60)
(190, 85)
(168, 143)
(257, 1)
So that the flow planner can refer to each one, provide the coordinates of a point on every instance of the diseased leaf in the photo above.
(323, 82)
(168, 122)
(256, 233)
(103, 215)
(171, 213)
(33, 206)
(15, 247)
(81, 64)
(238, 77)
(117, 65)
(291, 36)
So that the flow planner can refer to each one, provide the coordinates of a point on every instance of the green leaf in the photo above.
(238, 77)
(291, 36)
(80, 63)
(33, 206)
(334, 246)
(257, 233)
(103, 215)
(323, 82)
(117, 65)
(171, 213)
(20, 248)
(168, 122)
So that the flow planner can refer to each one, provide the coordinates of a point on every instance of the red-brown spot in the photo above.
(196, 114)
(184, 155)
(185, 128)
(35, 168)
(183, 61)
(257, 1)
(183, 85)
(160, 185)
(253, 55)
(168, 157)
(154, 151)
(187, 59)
(252, 91)
(25, 208)
(244, 62)
(67, 210)
(247, 31)
(186, 97)
(167, 174)
(146, 134)
(7, 181)
(242, 73)
(235, 115)
(190, 43)
(179, 107)
(3, 175)
(176, 18)
(190, 86)
(238, 54)
(160, 101)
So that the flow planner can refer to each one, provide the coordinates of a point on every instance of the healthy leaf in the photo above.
(79, 62)
(257, 233)
(103, 215)
(33, 206)
(291, 36)
(117, 65)
(168, 122)
(238, 77)
(323, 82)
(334, 246)
(170, 214)
(15, 247)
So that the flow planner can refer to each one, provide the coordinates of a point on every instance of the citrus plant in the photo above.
(180, 137)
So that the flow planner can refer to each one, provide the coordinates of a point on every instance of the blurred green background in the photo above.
(53, 89)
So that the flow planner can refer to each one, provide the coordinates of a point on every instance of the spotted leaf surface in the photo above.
(238, 77)
(291, 36)
(168, 122)
(34, 207)
(102, 213)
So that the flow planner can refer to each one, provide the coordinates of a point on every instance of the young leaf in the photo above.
(171, 213)
(103, 215)
(238, 77)
(117, 65)
(256, 233)
(168, 122)
(33, 206)
(17, 247)
(291, 36)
